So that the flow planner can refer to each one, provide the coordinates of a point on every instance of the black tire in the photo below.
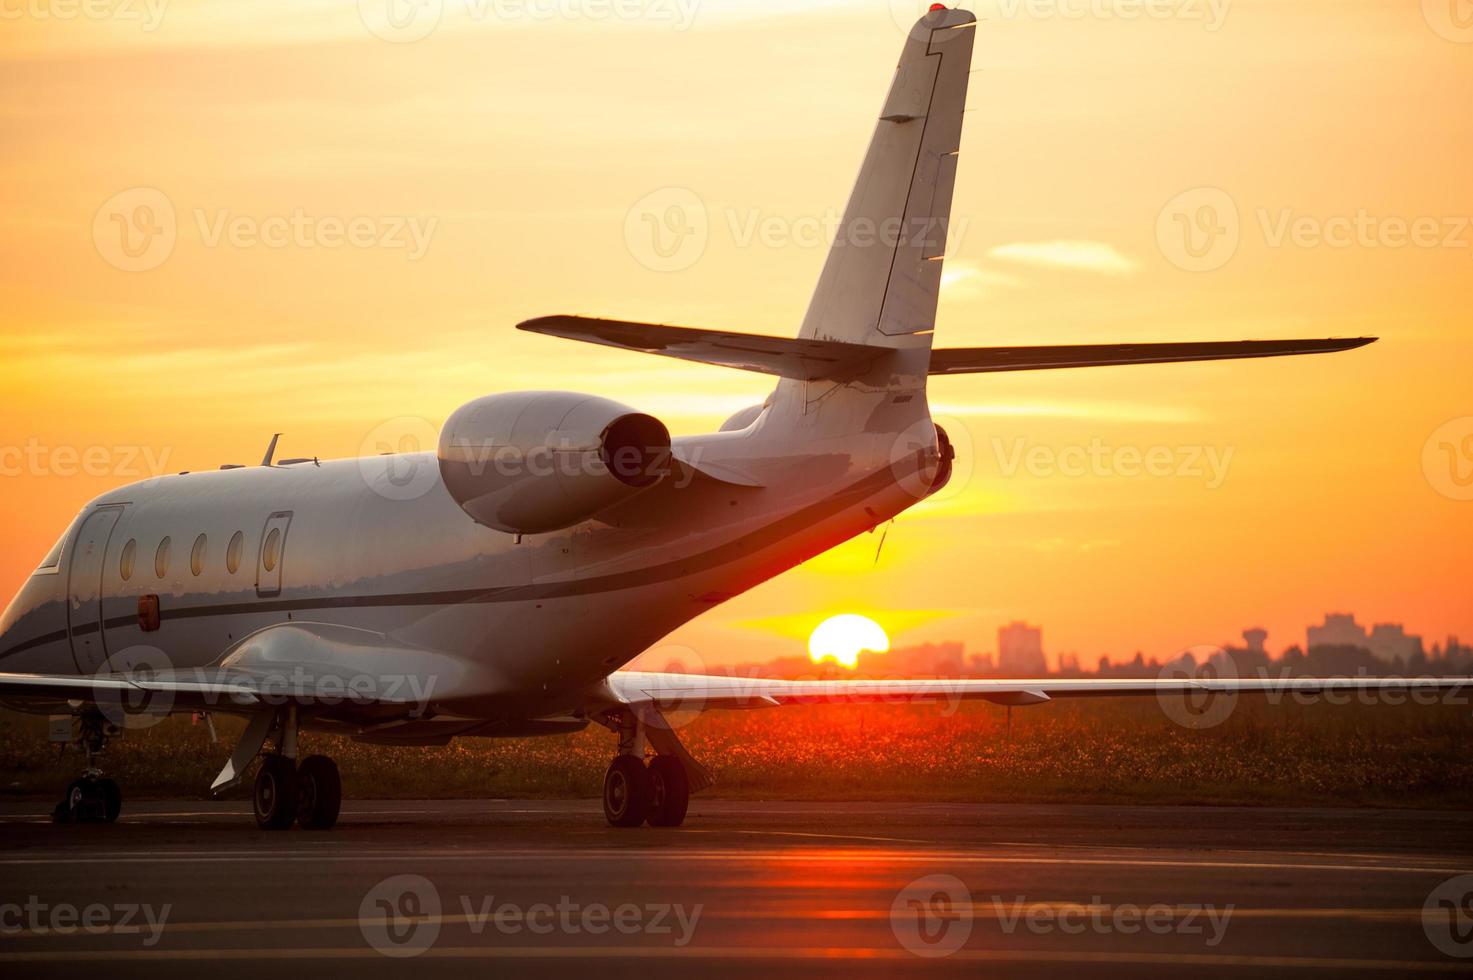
(112, 799)
(275, 795)
(67, 810)
(319, 793)
(626, 791)
(669, 792)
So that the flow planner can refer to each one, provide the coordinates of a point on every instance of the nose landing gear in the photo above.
(92, 797)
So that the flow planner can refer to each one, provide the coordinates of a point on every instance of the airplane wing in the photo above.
(809, 360)
(320, 664)
(676, 692)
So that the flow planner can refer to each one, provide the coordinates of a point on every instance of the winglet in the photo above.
(270, 450)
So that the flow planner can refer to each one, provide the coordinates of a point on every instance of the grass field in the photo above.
(1082, 751)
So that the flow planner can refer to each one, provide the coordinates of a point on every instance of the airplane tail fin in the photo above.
(881, 279)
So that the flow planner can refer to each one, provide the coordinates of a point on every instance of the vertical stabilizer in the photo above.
(881, 279)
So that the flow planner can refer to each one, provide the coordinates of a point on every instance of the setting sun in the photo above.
(841, 638)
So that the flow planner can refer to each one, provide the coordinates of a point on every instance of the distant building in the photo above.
(924, 660)
(1253, 639)
(1390, 641)
(1338, 630)
(1020, 649)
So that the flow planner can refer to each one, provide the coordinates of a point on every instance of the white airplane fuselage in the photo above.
(506, 626)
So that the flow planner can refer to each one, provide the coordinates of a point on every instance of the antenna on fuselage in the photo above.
(270, 450)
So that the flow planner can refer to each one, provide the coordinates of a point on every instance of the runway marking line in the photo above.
(748, 953)
(978, 910)
(733, 856)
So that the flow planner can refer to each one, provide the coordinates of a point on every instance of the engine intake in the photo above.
(528, 462)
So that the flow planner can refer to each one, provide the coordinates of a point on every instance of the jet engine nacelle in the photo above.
(533, 461)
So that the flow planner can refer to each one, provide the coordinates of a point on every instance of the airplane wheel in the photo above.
(627, 791)
(319, 793)
(89, 800)
(275, 795)
(669, 792)
(112, 799)
(72, 808)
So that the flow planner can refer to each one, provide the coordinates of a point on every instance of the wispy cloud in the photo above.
(1085, 256)
(964, 280)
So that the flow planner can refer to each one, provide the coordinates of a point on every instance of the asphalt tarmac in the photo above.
(545, 888)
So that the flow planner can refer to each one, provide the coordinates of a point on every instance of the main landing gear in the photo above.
(637, 791)
(286, 792)
(309, 794)
(92, 797)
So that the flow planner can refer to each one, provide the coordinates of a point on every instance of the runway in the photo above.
(545, 888)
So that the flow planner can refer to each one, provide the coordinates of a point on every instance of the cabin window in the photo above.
(271, 551)
(197, 555)
(161, 559)
(125, 561)
(232, 552)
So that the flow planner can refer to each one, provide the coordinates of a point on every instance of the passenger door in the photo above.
(86, 567)
(271, 556)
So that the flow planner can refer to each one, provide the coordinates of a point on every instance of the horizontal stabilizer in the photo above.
(802, 360)
(982, 360)
(835, 360)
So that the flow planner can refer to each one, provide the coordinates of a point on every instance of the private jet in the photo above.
(495, 585)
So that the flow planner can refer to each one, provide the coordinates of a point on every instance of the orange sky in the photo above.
(517, 139)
